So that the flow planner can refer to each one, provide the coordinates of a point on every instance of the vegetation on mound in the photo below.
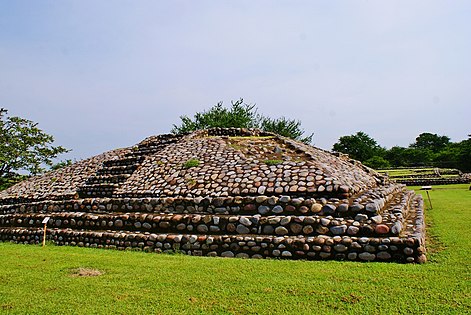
(37, 280)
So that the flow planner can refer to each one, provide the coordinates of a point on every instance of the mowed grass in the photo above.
(35, 280)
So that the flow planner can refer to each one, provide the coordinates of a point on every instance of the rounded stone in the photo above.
(383, 255)
(343, 207)
(352, 256)
(285, 220)
(352, 230)
(381, 229)
(396, 228)
(377, 219)
(242, 255)
(338, 230)
(281, 230)
(328, 209)
(408, 251)
(227, 254)
(202, 228)
(295, 228)
(265, 209)
(284, 199)
(340, 248)
(277, 209)
(242, 229)
(367, 256)
(245, 221)
(286, 253)
(308, 229)
(315, 208)
(360, 217)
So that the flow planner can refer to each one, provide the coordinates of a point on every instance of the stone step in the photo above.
(117, 170)
(126, 161)
(247, 246)
(109, 178)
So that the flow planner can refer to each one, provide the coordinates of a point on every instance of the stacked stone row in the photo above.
(367, 204)
(209, 224)
(320, 247)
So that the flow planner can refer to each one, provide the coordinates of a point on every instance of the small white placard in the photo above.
(426, 188)
(46, 219)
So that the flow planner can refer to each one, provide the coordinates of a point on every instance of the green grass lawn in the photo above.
(35, 280)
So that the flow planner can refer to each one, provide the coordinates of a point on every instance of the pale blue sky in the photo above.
(105, 74)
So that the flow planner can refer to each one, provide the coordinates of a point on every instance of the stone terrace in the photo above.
(221, 192)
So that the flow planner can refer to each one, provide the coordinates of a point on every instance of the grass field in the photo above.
(35, 280)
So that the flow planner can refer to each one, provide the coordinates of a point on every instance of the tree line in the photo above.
(428, 149)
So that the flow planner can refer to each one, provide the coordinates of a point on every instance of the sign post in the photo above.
(46, 219)
(427, 188)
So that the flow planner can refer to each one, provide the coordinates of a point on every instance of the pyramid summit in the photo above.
(221, 192)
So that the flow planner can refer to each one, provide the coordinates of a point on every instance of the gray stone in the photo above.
(367, 256)
(245, 221)
(352, 230)
(227, 254)
(286, 253)
(377, 219)
(372, 207)
(408, 251)
(352, 256)
(202, 228)
(340, 248)
(383, 255)
(325, 222)
(396, 228)
(285, 220)
(261, 190)
(343, 207)
(265, 209)
(356, 207)
(242, 255)
(328, 209)
(277, 209)
(284, 199)
(360, 217)
(242, 229)
(338, 230)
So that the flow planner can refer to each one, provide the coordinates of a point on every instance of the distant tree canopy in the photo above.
(241, 115)
(359, 146)
(23, 147)
(427, 150)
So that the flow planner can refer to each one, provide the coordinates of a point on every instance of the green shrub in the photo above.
(191, 163)
(272, 162)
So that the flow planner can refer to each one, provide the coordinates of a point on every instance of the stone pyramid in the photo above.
(221, 192)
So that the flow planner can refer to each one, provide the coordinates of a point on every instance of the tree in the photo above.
(241, 115)
(359, 146)
(23, 146)
(430, 141)
(285, 127)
